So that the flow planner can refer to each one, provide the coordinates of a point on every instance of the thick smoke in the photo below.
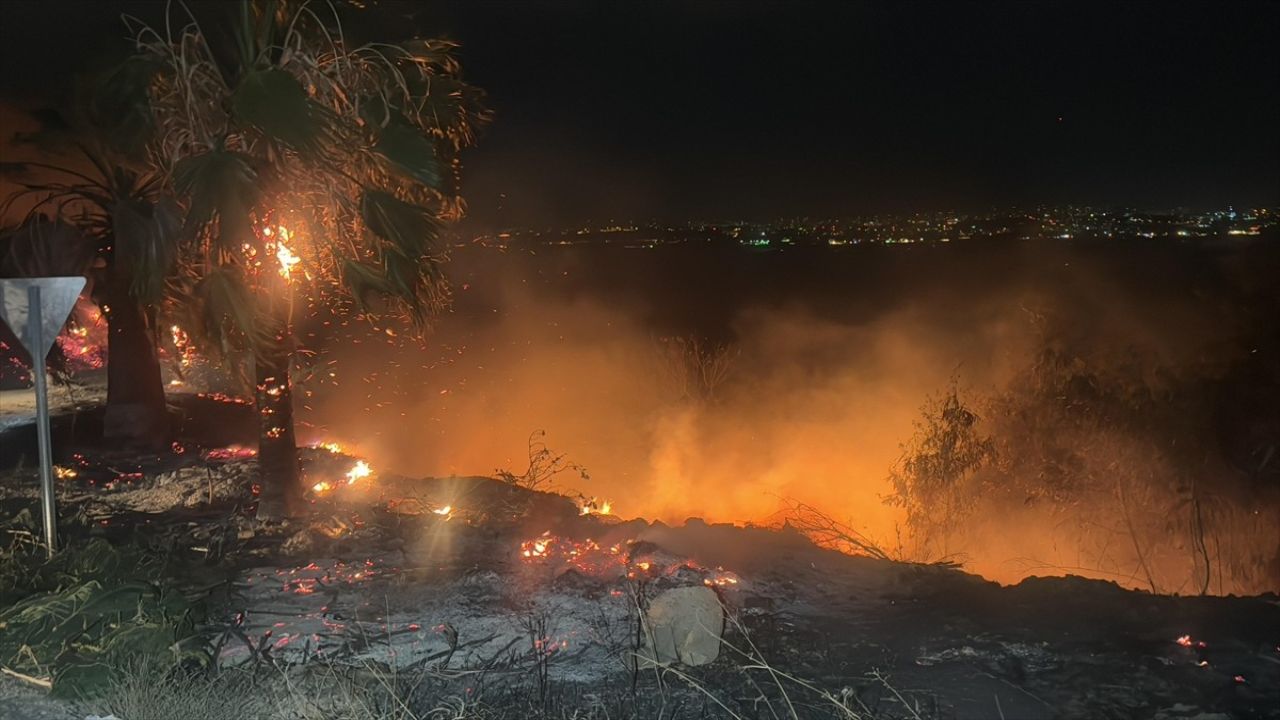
(824, 382)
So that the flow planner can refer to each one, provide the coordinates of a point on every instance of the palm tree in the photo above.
(313, 174)
(111, 223)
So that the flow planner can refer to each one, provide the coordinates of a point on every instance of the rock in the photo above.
(300, 543)
(684, 626)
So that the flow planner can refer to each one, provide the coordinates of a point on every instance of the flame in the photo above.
(594, 506)
(1184, 641)
(286, 257)
(182, 343)
(64, 473)
(360, 470)
(447, 511)
(332, 447)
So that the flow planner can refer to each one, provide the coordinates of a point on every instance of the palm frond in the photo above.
(224, 312)
(411, 153)
(275, 103)
(364, 282)
(407, 229)
(120, 104)
(275, 115)
(145, 244)
(219, 185)
(44, 247)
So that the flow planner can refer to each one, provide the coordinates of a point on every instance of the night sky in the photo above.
(736, 109)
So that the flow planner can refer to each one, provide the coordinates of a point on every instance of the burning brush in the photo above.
(358, 471)
(594, 506)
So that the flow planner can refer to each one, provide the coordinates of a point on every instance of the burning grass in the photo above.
(420, 598)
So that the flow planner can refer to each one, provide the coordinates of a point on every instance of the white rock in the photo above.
(683, 626)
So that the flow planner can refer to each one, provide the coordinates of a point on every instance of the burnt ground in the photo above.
(513, 594)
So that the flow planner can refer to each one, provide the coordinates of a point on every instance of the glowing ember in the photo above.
(231, 452)
(538, 546)
(83, 343)
(322, 487)
(585, 556)
(224, 398)
(1184, 641)
(721, 578)
(360, 470)
(79, 350)
(595, 507)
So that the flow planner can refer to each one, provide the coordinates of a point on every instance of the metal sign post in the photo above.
(35, 309)
(34, 331)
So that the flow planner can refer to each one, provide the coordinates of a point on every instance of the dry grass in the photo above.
(141, 691)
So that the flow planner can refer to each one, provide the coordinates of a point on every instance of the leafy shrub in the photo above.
(933, 478)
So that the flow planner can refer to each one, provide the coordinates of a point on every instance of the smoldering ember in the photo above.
(478, 360)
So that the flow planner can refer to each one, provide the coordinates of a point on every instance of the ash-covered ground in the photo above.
(500, 594)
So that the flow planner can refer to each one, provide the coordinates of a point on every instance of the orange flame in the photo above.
(595, 507)
(286, 257)
(358, 471)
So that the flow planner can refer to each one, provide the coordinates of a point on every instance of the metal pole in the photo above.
(35, 331)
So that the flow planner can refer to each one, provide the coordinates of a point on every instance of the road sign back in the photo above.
(57, 298)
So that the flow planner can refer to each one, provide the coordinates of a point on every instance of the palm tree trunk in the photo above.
(136, 414)
(281, 479)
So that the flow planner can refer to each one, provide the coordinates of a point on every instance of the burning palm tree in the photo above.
(314, 174)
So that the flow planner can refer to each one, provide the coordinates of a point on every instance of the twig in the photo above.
(45, 683)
